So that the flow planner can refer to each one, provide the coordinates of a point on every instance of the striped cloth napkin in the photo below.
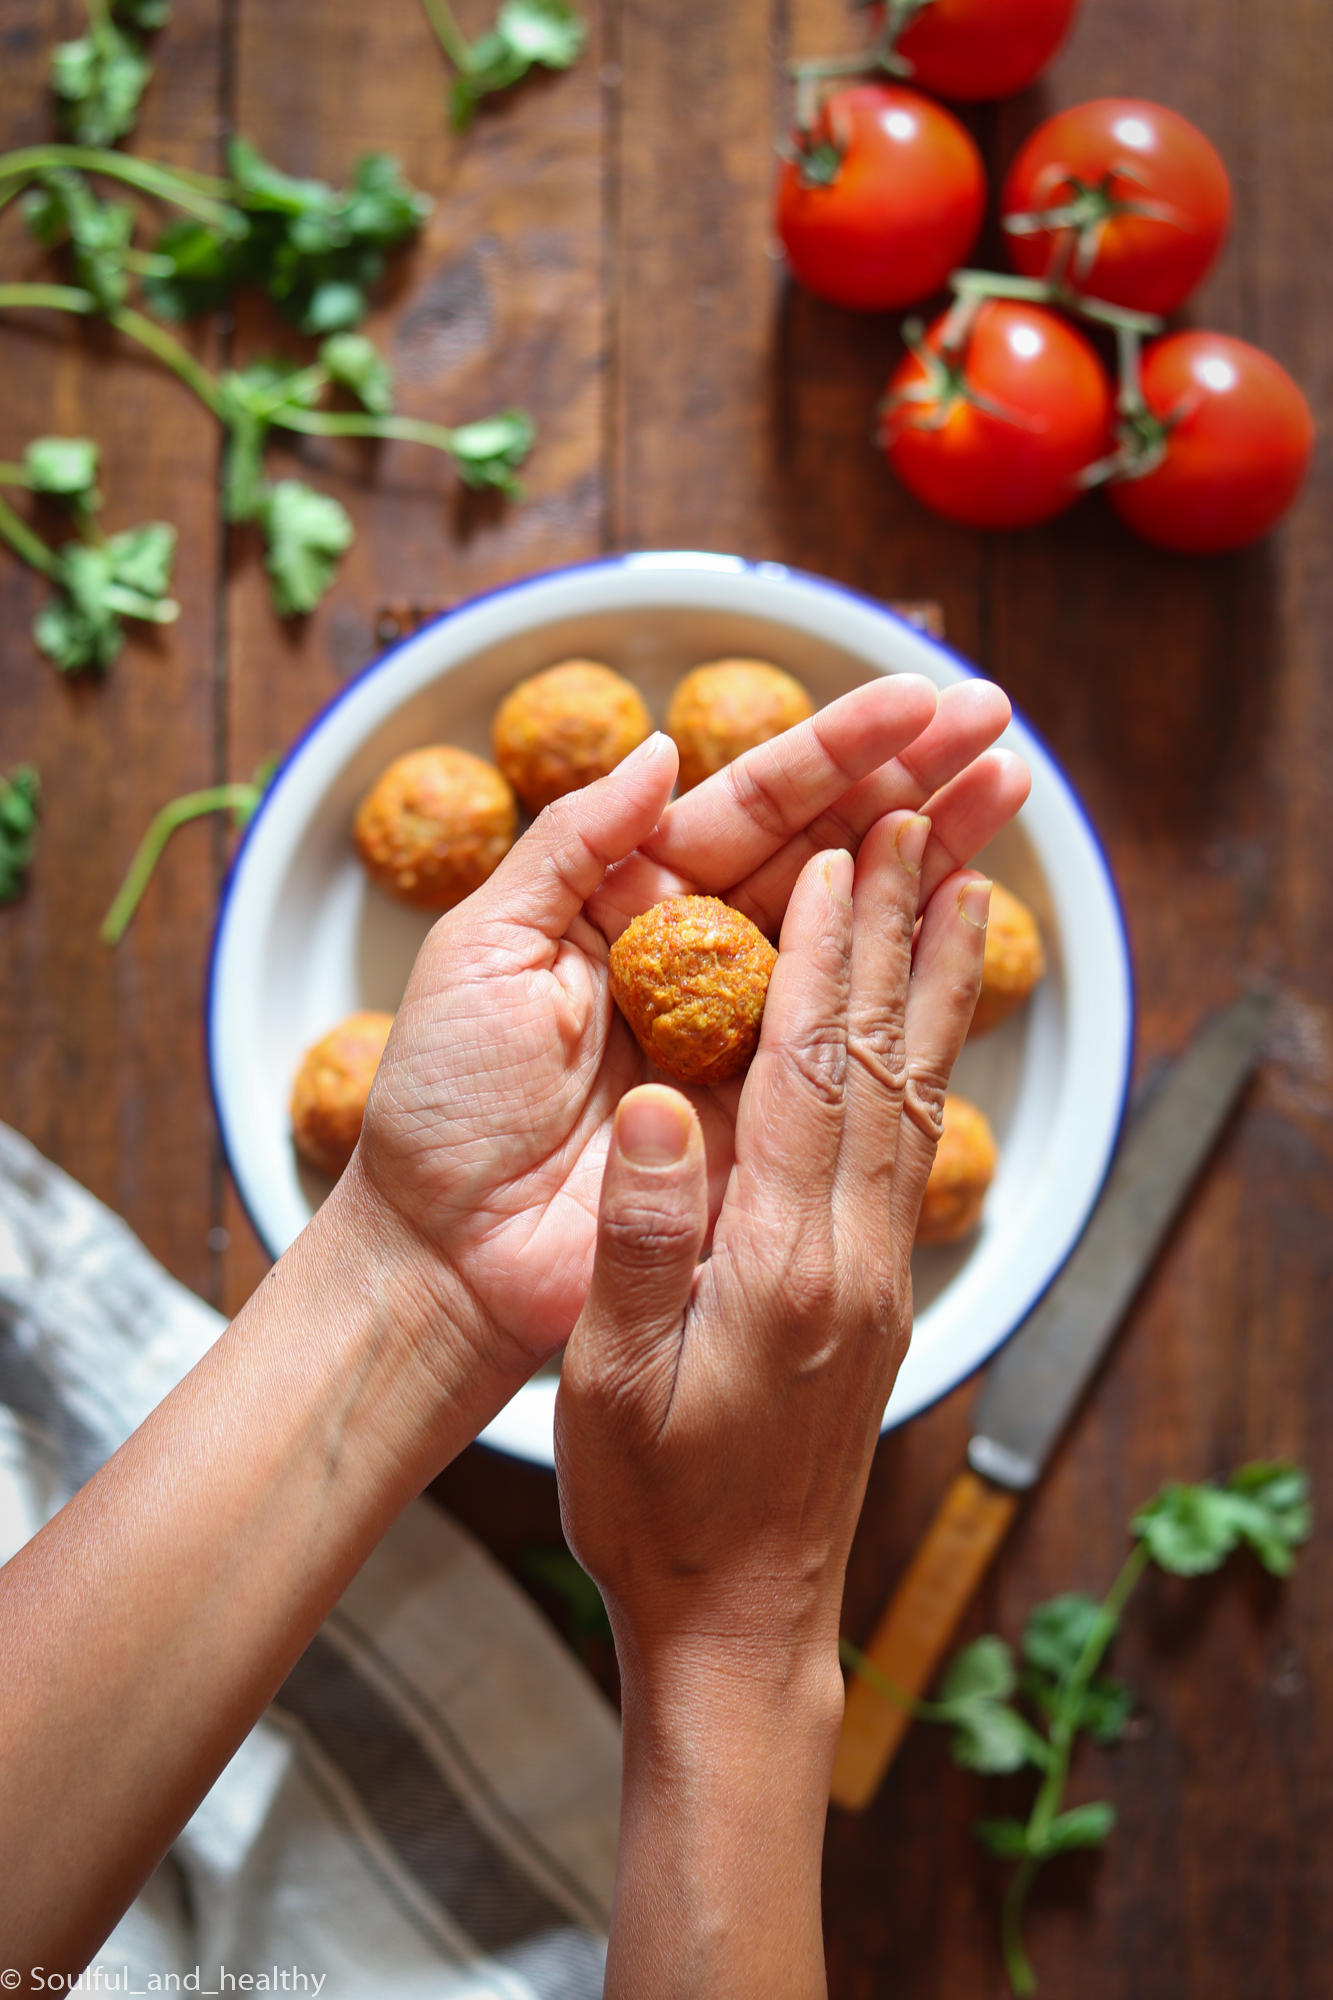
(430, 1806)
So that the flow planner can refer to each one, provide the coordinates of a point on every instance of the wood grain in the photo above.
(601, 252)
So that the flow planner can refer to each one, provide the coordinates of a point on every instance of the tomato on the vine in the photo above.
(1124, 200)
(968, 49)
(1226, 435)
(883, 198)
(994, 428)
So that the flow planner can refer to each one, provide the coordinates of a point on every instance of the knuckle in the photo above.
(641, 1232)
(818, 1063)
(760, 790)
(877, 1046)
(923, 1099)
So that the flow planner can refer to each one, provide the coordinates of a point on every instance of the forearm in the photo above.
(725, 1792)
(147, 1627)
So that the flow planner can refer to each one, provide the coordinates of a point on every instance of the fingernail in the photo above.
(974, 903)
(838, 875)
(911, 842)
(653, 1128)
(648, 748)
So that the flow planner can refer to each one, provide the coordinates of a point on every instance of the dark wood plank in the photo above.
(101, 1057)
(1189, 701)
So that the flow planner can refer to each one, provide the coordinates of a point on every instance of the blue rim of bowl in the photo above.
(718, 563)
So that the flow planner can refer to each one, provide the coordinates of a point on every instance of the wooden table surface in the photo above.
(600, 253)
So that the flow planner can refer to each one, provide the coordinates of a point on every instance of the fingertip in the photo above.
(654, 1126)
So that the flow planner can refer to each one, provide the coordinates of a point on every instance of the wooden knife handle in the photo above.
(911, 1637)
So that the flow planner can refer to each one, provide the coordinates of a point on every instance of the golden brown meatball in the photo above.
(721, 710)
(691, 977)
(561, 729)
(331, 1088)
(1015, 960)
(434, 826)
(964, 1168)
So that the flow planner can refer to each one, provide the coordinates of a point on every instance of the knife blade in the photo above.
(1032, 1389)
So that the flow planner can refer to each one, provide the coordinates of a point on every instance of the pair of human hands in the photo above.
(714, 1420)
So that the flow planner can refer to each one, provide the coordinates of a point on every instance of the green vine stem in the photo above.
(240, 799)
(200, 195)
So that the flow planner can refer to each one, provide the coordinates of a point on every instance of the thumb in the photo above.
(623, 1354)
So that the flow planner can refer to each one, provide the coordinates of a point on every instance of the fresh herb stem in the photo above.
(177, 358)
(1017, 1964)
(58, 298)
(1050, 1793)
(350, 423)
(99, 16)
(201, 195)
(449, 35)
(23, 541)
(239, 798)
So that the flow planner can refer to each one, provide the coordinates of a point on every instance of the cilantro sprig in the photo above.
(98, 579)
(20, 805)
(99, 78)
(526, 33)
(1185, 1530)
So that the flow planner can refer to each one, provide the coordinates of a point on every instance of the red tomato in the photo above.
(902, 205)
(996, 437)
(1238, 441)
(1145, 197)
(983, 48)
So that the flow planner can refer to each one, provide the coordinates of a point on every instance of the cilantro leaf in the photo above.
(143, 14)
(973, 1698)
(1103, 1712)
(20, 798)
(548, 32)
(99, 80)
(356, 363)
(127, 576)
(488, 453)
(1271, 1511)
(63, 209)
(1057, 1631)
(203, 267)
(314, 249)
(67, 466)
(306, 533)
(1081, 1826)
(1007, 1839)
(1189, 1530)
(141, 560)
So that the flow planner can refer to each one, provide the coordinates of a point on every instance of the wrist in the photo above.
(402, 1365)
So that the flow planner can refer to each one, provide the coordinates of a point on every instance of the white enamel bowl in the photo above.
(303, 938)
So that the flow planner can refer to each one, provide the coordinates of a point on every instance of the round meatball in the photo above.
(434, 826)
(331, 1088)
(691, 977)
(1014, 962)
(561, 729)
(719, 711)
(964, 1168)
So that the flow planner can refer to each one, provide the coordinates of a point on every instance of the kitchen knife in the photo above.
(1031, 1390)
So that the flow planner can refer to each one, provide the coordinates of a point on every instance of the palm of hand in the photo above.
(512, 1066)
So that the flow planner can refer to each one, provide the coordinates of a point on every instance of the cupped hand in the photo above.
(489, 1124)
(715, 1421)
